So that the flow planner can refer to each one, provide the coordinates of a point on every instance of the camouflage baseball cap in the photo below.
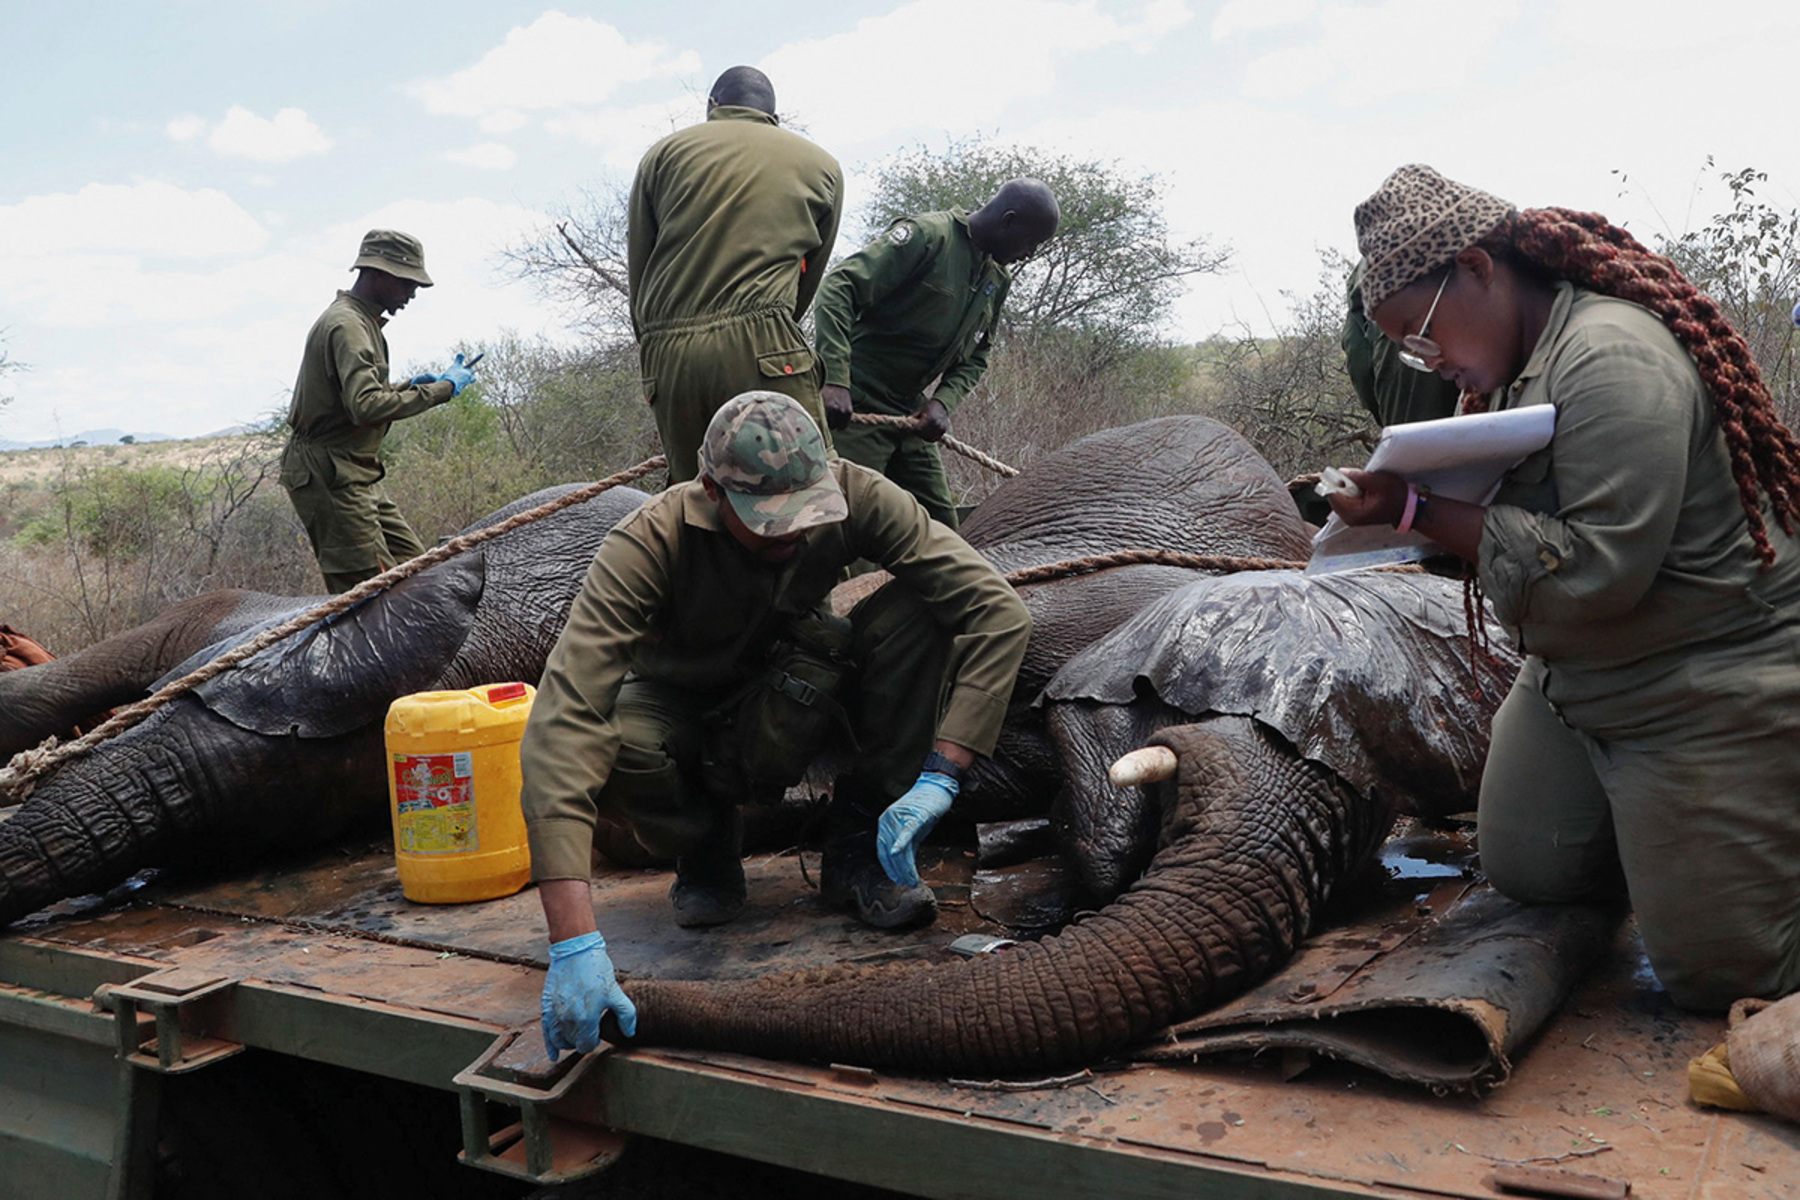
(399, 254)
(766, 453)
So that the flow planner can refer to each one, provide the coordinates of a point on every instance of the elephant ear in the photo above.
(340, 674)
(1370, 674)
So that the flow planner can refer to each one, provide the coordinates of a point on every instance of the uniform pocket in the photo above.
(779, 364)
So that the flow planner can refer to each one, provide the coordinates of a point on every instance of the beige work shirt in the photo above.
(672, 596)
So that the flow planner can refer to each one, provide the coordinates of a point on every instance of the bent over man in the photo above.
(697, 651)
(342, 406)
(730, 225)
(920, 303)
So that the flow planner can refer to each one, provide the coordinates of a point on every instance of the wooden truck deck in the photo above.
(322, 959)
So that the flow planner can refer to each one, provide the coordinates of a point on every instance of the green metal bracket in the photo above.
(184, 1003)
(540, 1147)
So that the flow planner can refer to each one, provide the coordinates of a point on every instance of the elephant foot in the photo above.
(851, 879)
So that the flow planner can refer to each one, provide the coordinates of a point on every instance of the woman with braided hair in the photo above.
(1643, 562)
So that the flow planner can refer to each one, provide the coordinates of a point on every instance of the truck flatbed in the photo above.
(321, 958)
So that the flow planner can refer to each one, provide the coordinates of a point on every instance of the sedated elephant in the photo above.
(1271, 808)
(287, 748)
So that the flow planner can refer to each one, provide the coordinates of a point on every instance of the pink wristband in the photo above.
(1412, 510)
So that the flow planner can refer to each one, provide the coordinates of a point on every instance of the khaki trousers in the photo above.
(1706, 831)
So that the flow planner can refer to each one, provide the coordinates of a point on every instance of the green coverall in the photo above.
(675, 615)
(731, 224)
(917, 303)
(331, 467)
(1656, 725)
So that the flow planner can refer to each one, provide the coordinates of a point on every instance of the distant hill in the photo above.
(101, 437)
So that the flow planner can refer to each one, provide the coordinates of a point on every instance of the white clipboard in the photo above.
(1462, 458)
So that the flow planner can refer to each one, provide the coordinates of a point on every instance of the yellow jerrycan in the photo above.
(453, 791)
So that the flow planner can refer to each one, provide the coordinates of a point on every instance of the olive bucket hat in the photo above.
(765, 452)
(1415, 223)
(399, 254)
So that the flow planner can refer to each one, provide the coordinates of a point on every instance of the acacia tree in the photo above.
(1748, 259)
(1109, 276)
(578, 260)
(1289, 393)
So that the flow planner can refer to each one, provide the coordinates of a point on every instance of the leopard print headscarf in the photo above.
(1415, 223)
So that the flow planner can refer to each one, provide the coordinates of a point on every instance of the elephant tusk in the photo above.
(1148, 765)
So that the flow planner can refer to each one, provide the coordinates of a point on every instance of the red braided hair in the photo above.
(1589, 251)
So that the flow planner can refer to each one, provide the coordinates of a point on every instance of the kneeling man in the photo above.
(698, 668)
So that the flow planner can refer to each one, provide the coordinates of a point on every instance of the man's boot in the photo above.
(851, 878)
(709, 876)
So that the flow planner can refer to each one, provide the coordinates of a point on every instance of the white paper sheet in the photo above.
(1462, 458)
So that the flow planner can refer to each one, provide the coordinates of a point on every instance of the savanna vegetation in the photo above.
(96, 539)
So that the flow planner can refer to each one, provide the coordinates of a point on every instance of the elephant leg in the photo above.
(54, 697)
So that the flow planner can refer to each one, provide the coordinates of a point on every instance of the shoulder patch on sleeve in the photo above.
(900, 232)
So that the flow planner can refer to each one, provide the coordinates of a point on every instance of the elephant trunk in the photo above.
(84, 830)
(1251, 845)
(184, 787)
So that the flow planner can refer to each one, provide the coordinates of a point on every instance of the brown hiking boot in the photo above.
(709, 879)
(851, 878)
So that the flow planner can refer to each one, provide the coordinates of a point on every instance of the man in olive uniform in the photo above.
(342, 406)
(731, 223)
(672, 635)
(917, 304)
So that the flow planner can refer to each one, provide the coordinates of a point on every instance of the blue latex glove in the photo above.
(580, 987)
(459, 376)
(906, 823)
(1797, 314)
(422, 379)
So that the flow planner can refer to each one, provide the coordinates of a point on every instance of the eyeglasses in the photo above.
(1418, 351)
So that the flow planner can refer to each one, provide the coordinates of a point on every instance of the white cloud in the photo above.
(623, 134)
(900, 71)
(557, 61)
(505, 120)
(1360, 52)
(488, 156)
(290, 134)
(1237, 18)
(156, 219)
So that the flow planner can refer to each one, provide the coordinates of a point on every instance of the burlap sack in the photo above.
(1764, 1048)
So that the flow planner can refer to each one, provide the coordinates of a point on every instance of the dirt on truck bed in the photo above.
(321, 959)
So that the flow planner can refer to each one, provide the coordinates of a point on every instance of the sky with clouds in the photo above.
(186, 182)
